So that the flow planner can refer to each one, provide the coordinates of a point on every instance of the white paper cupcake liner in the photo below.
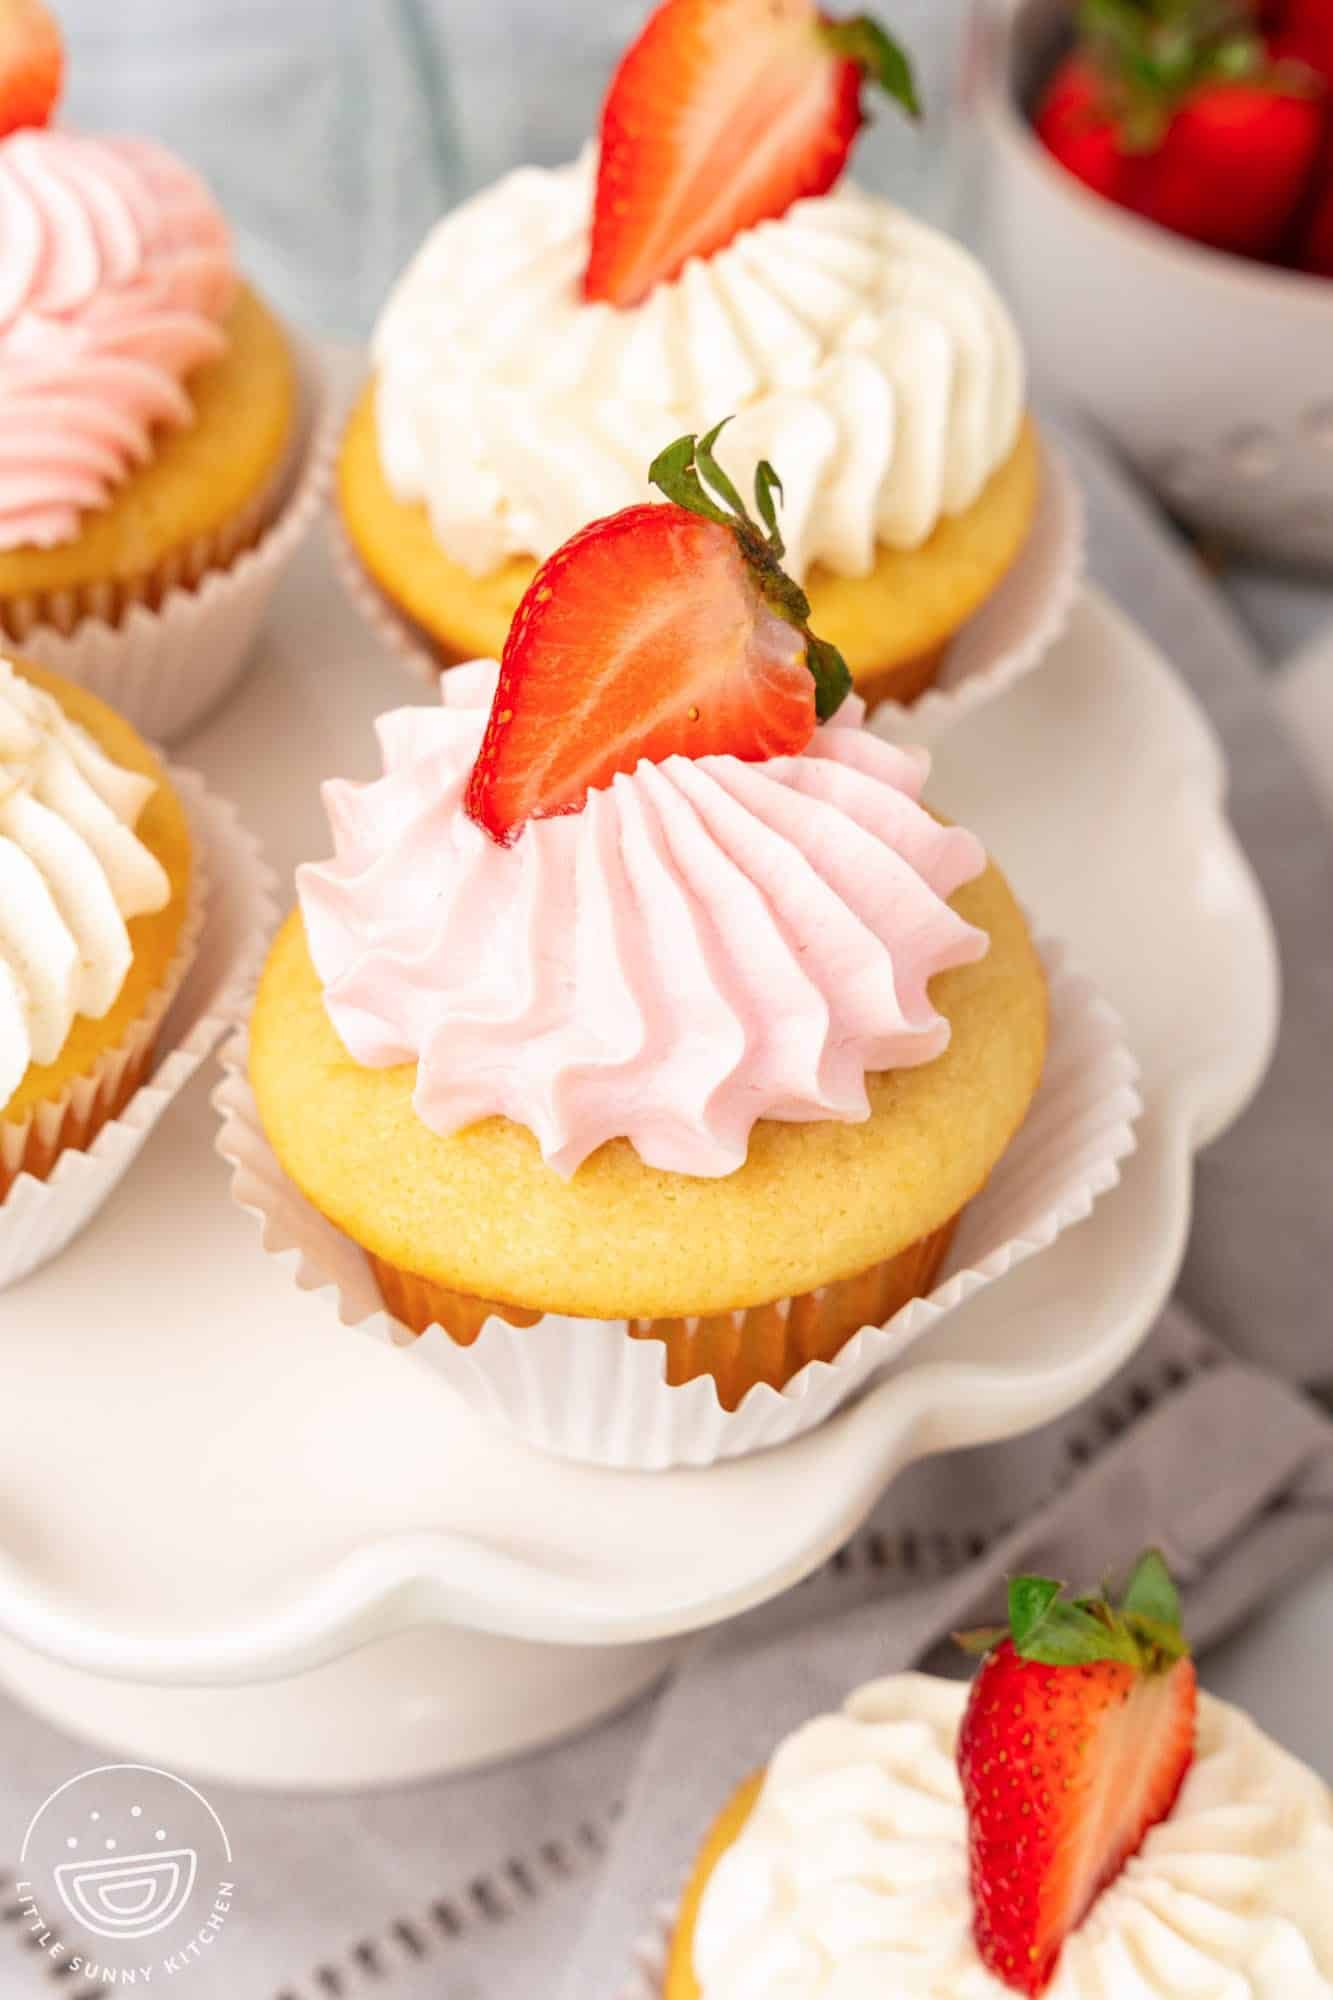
(584, 1389)
(400, 636)
(1017, 625)
(166, 668)
(232, 913)
(1010, 635)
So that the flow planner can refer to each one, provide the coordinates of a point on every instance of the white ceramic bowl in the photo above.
(1212, 373)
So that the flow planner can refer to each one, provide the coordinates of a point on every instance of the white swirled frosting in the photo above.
(850, 1880)
(866, 355)
(705, 944)
(72, 874)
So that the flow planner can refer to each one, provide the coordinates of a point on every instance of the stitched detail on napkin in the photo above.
(1112, 1415)
(12, 1919)
(481, 1902)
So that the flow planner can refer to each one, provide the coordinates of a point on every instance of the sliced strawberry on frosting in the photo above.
(1077, 1738)
(661, 631)
(721, 115)
(32, 64)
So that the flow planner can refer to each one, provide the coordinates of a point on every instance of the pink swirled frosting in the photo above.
(115, 276)
(706, 944)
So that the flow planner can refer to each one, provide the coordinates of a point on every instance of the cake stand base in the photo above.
(421, 1704)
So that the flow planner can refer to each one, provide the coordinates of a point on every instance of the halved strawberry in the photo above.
(662, 631)
(32, 64)
(721, 115)
(1075, 1743)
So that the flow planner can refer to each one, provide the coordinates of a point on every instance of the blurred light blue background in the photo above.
(335, 131)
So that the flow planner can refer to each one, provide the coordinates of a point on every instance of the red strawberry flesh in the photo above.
(646, 635)
(1076, 1741)
(1073, 124)
(721, 115)
(1066, 1769)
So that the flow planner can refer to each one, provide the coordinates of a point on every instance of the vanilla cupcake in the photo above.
(147, 396)
(156, 460)
(551, 331)
(637, 993)
(97, 916)
(1079, 1825)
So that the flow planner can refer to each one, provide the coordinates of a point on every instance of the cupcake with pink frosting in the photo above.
(148, 398)
(642, 987)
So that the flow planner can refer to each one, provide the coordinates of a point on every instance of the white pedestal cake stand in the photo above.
(240, 1540)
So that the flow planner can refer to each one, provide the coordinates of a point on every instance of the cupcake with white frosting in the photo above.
(706, 257)
(1080, 1824)
(99, 913)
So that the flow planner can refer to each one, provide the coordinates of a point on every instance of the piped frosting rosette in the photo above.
(74, 875)
(706, 944)
(115, 278)
(863, 351)
(116, 283)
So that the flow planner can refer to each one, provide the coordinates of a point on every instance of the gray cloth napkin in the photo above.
(1259, 1264)
(1228, 1539)
(497, 1884)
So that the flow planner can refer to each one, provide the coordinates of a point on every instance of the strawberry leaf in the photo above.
(1151, 55)
(1047, 1627)
(766, 484)
(684, 471)
(714, 476)
(1151, 1593)
(984, 1639)
(833, 680)
(1030, 1600)
(878, 57)
(673, 473)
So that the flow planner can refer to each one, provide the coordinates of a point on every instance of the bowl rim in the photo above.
(1010, 127)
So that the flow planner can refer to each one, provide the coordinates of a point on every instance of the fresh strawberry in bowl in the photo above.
(1077, 1738)
(1153, 214)
(1187, 116)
